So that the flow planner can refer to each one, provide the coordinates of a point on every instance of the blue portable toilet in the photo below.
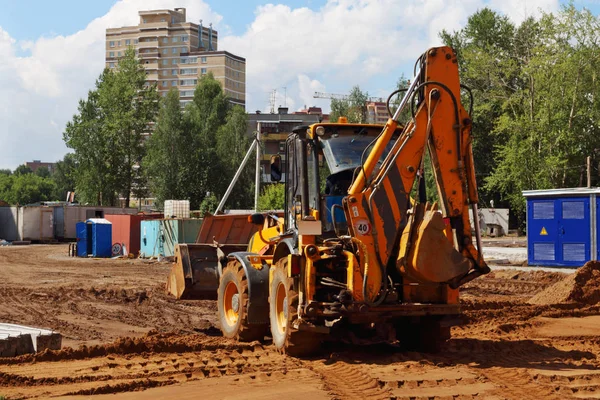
(562, 226)
(94, 238)
(84, 246)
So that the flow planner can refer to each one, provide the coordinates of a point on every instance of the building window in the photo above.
(174, 61)
(164, 94)
(173, 72)
(127, 42)
(111, 44)
(135, 41)
(172, 20)
(163, 20)
(174, 50)
(165, 40)
(118, 54)
(173, 83)
(189, 82)
(144, 21)
(175, 39)
(111, 54)
(183, 50)
(119, 43)
(203, 60)
(203, 71)
(184, 38)
(111, 65)
(164, 83)
(165, 62)
(189, 71)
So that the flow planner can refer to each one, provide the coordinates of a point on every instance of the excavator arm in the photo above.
(418, 242)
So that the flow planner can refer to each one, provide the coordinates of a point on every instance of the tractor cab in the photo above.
(321, 162)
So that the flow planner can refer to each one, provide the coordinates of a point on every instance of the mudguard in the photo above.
(284, 247)
(258, 286)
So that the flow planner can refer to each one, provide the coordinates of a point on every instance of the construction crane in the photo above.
(321, 95)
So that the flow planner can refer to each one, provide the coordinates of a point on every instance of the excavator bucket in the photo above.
(197, 267)
(195, 273)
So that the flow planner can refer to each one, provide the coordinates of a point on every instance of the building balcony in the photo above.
(145, 45)
(151, 77)
(267, 157)
(154, 25)
(151, 66)
(153, 54)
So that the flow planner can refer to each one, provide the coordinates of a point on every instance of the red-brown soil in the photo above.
(128, 340)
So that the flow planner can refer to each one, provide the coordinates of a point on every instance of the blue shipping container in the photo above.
(562, 226)
(150, 245)
(159, 237)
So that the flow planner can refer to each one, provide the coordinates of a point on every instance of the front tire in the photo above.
(232, 304)
(283, 313)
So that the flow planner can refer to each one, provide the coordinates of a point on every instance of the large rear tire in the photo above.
(283, 313)
(232, 304)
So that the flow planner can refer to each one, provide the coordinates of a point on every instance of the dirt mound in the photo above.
(172, 342)
(580, 287)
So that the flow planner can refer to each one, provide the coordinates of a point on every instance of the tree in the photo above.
(107, 133)
(198, 150)
(23, 170)
(5, 172)
(25, 188)
(354, 107)
(536, 112)
(167, 151)
(43, 172)
(232, 145)
(64, 176)
(272, 197)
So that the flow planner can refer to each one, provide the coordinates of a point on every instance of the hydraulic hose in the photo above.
(365, 261)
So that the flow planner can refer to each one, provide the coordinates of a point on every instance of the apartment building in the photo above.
(176, 53)
(377, 112)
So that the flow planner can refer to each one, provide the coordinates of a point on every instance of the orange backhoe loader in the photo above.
(359, 253)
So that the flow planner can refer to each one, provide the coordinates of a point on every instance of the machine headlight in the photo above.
(320, 130)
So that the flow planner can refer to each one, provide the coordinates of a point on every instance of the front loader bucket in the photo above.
(197, 268)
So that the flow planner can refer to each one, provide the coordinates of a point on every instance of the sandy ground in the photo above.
(131, 341)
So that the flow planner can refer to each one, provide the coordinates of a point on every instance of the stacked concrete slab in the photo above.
(16, 340)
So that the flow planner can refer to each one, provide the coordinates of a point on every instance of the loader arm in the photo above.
(424, 246)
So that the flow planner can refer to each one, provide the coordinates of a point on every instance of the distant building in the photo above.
(313, 111)
(275, 129)
(35, 164)
(176, 53)
(377, 112)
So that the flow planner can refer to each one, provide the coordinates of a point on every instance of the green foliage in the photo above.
(25, 188)
(5, 172)
(536, 115)
(272, 197)
(209, 204)
(198, 150)
(64, 176)
(354, 107)
(43, 172)
(106, 133)
(23, 169)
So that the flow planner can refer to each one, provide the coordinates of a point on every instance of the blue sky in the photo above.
(52, 51)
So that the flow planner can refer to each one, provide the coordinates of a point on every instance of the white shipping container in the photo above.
(177, 209)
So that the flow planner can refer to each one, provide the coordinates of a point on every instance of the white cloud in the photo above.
(345, 42)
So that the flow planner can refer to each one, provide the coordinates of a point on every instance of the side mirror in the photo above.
(256, 219)
(275, 168)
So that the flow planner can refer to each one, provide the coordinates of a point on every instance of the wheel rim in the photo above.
(281, 308)
(231, 304)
